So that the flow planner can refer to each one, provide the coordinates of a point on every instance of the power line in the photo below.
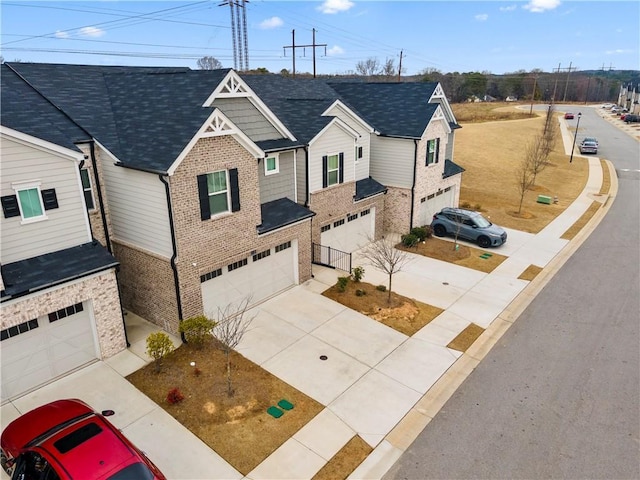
(143, 17)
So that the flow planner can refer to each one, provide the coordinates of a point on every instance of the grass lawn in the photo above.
(491, 152)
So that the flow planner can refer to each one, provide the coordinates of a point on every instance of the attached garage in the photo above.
(351, 232)
(258, 276)
(37, 351)
(435, 202)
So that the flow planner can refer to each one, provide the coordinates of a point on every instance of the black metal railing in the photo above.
(330, 257)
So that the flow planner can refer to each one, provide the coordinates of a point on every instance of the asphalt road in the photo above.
(559, 395)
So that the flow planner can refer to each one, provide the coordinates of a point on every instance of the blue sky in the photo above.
(450, 36)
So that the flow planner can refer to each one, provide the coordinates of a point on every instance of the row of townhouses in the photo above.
(173, 192)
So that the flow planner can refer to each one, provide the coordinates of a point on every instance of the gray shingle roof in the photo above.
(143, 115)
(393, 109)
(451, 169)
(368, 187)
(44, 271)
(19, 102)
(280, 213)
(147, 115)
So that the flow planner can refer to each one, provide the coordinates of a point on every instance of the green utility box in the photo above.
(545, 199)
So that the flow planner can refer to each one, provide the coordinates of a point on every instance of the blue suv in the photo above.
(468, 225)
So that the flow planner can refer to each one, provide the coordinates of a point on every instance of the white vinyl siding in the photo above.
(361, 165)
(138, 208)
(392, 161)
(65, 226)
(333, 141)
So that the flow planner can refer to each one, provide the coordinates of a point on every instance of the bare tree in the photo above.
(384, 257)
(389, 69)
(537, 153)
(550, 129)
(229, 330)
(209, 63)
(524, 171)
(458, 221)
(369, 67)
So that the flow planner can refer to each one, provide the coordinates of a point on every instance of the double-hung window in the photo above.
(358, 153)
(86, 187)
(433, 147)
(271, 165)
(30, 202)
(218, 192)
(333, 169)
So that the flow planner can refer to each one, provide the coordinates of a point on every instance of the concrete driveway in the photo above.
(373, 382)
(175, 450)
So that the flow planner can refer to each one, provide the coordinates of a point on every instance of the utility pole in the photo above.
(586, 95)
(566, 86)
(533, 94)
(555, 86)
(293, 46)
(239, 40)
(400, 67)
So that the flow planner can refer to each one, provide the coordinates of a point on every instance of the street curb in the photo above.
(415, 421)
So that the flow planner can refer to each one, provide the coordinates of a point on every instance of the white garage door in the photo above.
(350, 233)
(434, 203)
(258, 276)
(35, 352)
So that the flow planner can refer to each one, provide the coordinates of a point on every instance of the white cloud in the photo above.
(481, 17)
(510, 8)
(269, 23)
(61, 34)
(335, 50)
(538, 6)
(91, 32)
(619, 51)
(335, 6)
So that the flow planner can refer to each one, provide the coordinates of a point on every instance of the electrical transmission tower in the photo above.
(239, 39)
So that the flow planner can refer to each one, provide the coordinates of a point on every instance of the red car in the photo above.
(568, 116)
(66, 439)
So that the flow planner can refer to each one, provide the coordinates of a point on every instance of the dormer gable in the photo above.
(439, 116)
(218, 125)
(349, 113)
(438, 96)
(232, 86)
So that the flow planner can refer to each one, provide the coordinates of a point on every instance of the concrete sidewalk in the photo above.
(375, 382)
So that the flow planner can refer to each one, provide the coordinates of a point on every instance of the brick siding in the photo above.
(336, 202)
(101, 290)
(217, 242)
(397, 210)
(147, 285)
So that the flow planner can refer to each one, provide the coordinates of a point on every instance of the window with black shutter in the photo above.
(49, 199)
(218, 192)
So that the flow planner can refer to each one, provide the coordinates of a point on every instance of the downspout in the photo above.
(80, 165)
(96, 177)
(306, 176)
(413, 184)
(174, 247)
(103, 217)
